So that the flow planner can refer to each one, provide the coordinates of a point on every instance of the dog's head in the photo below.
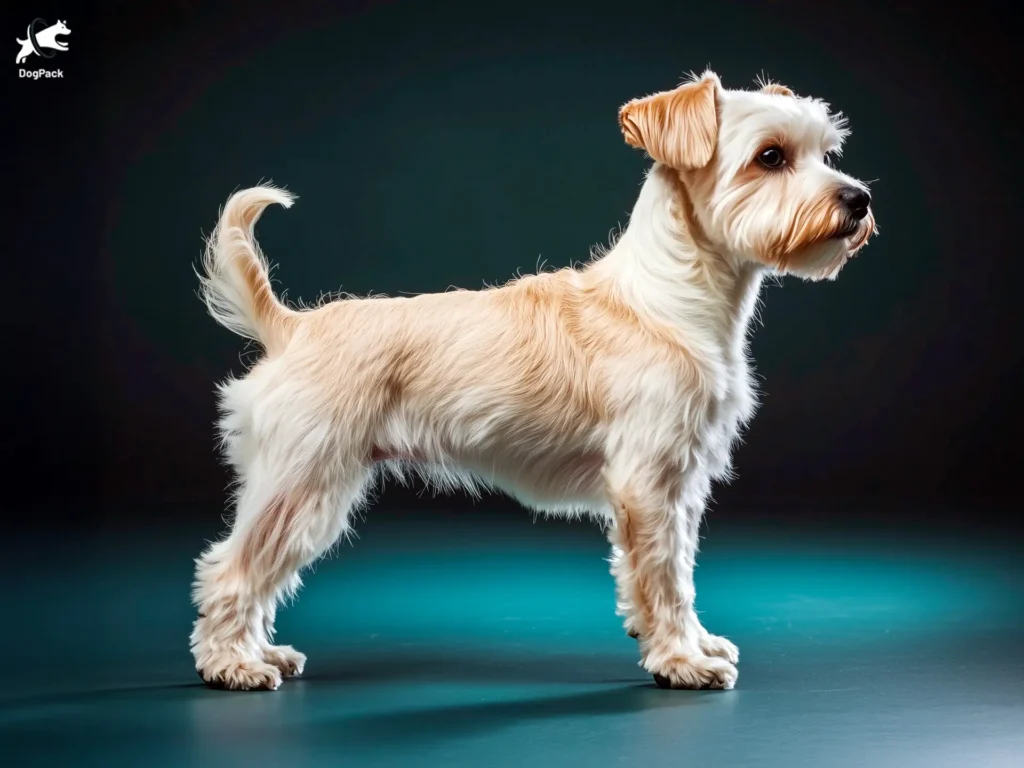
(756, 174)
(58, 29)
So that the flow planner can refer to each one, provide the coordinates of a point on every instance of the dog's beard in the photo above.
(818, 261)
(818, 242)
(824, 260)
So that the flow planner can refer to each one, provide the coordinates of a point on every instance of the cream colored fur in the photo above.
(615, 390)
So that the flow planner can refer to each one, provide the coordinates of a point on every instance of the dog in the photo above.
(46, 38)
(615, 389)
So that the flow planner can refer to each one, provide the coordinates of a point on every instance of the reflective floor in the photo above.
(455, 640)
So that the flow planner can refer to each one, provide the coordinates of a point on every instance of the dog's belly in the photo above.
(558, 482)
(551, 483)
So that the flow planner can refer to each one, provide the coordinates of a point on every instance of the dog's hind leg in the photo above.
(240, 579)
(299, 484)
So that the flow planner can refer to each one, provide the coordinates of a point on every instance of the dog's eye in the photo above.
(772, 158)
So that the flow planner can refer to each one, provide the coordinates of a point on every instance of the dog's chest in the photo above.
(728, 411)
(735, 397)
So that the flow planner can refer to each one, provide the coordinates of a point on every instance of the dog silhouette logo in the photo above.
(42, 40)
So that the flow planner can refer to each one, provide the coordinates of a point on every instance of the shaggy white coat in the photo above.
(616, 389)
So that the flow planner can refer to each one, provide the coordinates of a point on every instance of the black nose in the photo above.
(855, 200)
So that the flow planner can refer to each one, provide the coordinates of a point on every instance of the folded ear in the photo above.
(678, 128)
(777, 88)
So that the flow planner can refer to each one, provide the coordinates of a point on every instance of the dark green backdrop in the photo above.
(451, 144)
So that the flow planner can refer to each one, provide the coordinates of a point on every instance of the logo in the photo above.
(42, 41)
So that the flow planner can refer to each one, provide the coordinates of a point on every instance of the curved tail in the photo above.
(235, 282)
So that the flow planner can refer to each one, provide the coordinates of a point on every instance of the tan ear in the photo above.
(776, 88)
(678, 128)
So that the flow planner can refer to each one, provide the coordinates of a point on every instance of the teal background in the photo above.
(474, 640)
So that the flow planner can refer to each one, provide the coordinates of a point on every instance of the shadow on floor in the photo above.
(413, 667)
(79, 696)
(451, 665)
(438, 724)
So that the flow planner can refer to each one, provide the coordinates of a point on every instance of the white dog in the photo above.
(616, 389)
(46, 38)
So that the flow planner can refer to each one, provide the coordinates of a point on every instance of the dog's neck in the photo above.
(663, 270)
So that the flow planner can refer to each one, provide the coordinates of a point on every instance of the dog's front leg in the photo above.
(654, 546)
(623, 586)
(712, 645)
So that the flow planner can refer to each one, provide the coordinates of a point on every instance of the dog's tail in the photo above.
(235, 281)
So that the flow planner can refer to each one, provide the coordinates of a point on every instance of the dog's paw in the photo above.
(714, 645)
(694, 672)
(285, 658)
(241, 675)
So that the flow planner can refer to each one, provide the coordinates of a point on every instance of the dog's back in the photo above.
(503, 387)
